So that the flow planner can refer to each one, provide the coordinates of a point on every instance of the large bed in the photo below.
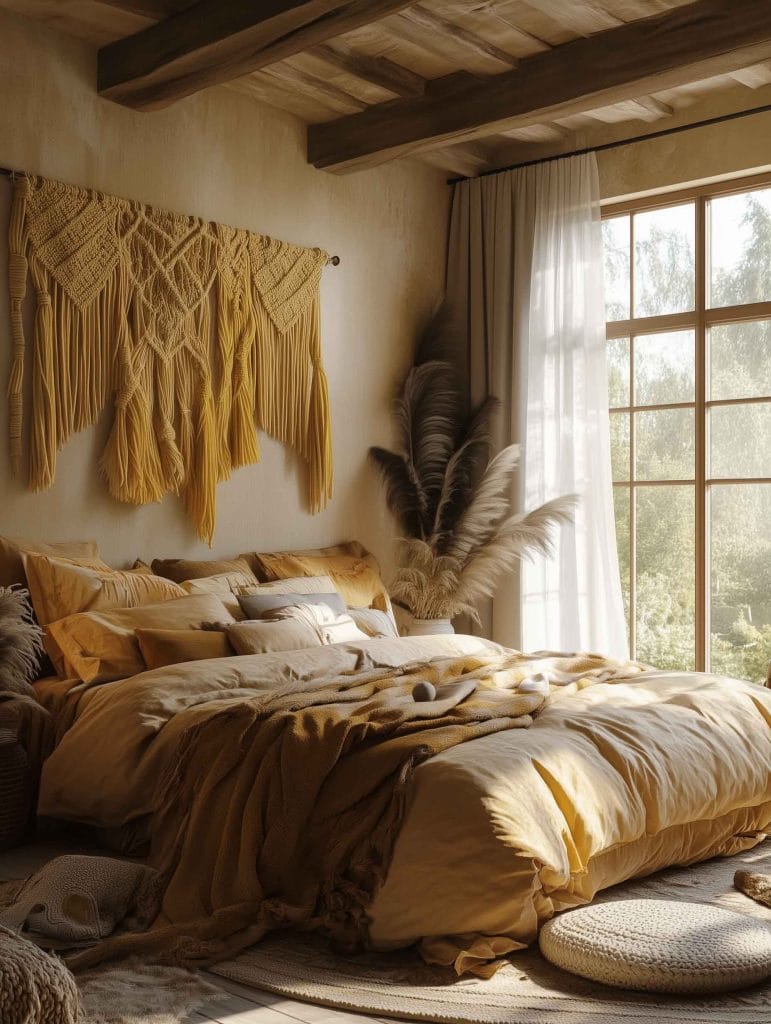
(619, 774)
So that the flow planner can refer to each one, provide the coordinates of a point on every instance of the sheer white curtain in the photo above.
(525, 266)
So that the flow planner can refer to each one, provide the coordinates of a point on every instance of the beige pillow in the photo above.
(333, 627)
(292, 585)
(12, 549)
(225, 586)
(373, 622)
(61, 586)
(102, 646)
(162, 647)
(181, 569)
(262, 637)
(355, 571)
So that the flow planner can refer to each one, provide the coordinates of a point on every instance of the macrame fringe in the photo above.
(124, 303)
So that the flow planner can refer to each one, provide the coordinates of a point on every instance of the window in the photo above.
(688, 305)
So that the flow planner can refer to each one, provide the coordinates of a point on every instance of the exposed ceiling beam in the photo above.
(376, 70)
(214, 42)
(709, 37)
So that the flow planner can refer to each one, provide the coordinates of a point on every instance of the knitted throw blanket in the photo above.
(198, 333)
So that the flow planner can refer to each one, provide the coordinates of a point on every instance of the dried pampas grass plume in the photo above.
(451, 499)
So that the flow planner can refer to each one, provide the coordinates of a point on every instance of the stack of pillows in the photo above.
(102, 624)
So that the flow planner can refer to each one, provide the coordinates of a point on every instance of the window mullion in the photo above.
(701, 442)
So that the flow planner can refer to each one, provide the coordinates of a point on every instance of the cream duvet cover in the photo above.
(612, 780)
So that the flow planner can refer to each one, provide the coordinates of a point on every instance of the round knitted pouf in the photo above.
(35, 988)
(660, 946)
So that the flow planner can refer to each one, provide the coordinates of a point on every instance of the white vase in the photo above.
(430, 627)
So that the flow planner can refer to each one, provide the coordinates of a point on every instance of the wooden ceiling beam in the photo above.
(214, 42)
(376, 70)
(686, 44)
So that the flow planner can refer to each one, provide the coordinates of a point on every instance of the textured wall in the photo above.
(725, 150)
(224, 157)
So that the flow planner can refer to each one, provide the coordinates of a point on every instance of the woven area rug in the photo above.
(526, 991)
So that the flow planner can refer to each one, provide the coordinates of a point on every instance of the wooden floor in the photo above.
(237, 1004)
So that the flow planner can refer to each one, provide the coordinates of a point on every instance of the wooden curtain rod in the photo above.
(660, 134)
(9, 172)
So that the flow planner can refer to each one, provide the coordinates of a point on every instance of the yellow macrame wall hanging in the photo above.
(198, 333)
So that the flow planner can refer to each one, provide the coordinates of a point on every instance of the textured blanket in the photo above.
(282, 808)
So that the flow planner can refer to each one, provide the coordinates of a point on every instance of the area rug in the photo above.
(142, 994)
(526, 991)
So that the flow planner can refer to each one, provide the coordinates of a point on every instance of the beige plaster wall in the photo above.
(224, 157)
(726, 150)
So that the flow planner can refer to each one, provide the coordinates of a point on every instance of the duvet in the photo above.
(480, 817)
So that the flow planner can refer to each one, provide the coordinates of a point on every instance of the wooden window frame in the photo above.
(699, 320)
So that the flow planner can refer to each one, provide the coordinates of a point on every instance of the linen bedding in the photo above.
(621, 772)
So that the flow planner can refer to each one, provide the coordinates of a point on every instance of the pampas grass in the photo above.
(451, 499)
(20, 641)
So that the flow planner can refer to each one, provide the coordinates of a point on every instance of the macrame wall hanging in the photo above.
(199, 334)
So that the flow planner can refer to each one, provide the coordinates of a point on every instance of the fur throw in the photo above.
(21, 646)
(757, 887)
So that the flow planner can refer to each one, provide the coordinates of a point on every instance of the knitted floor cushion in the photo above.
(35, 988)
(660, 946)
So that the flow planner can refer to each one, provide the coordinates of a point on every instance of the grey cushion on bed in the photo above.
(254, 606)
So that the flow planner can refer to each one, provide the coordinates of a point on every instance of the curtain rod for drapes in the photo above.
(9, 172)
(719, 119)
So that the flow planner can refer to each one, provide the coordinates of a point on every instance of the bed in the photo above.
(618, 774)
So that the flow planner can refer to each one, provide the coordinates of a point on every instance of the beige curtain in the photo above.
(525, 270)
(488, 281)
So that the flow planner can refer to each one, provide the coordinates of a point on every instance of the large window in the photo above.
(688, 294)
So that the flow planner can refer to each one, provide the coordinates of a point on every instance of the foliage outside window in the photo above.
(688, 305)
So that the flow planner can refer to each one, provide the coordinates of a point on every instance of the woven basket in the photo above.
(16, 790)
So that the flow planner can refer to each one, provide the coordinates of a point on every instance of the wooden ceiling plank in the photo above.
(377, 70)
(154, 9)
(704, 38)
(314, 86)
(420, 15)
(213, 42)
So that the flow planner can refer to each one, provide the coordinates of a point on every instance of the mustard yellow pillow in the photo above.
(61, 586)
(162, 647)
(355, 572)
(100, 646)
(13, 548)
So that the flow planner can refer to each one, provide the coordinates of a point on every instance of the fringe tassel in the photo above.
(17, 287)
(178, 426)
(318, 438)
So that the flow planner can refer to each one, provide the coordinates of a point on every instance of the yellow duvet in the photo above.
(611, 780)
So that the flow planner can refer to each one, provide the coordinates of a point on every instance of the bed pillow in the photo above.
(256, 606)
(12, 550)
(263, 637)
(61, 586)
(333, 627)
(162, 647)
(182, 569)
(373, 622)
(225, 586)
(355, 571)
(100, 646)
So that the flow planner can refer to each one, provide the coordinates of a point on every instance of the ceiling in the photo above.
(468, 86)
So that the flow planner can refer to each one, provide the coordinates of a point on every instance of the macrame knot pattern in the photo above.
(198, 333)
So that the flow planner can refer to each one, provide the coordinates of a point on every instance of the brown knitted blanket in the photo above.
(282, 809)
